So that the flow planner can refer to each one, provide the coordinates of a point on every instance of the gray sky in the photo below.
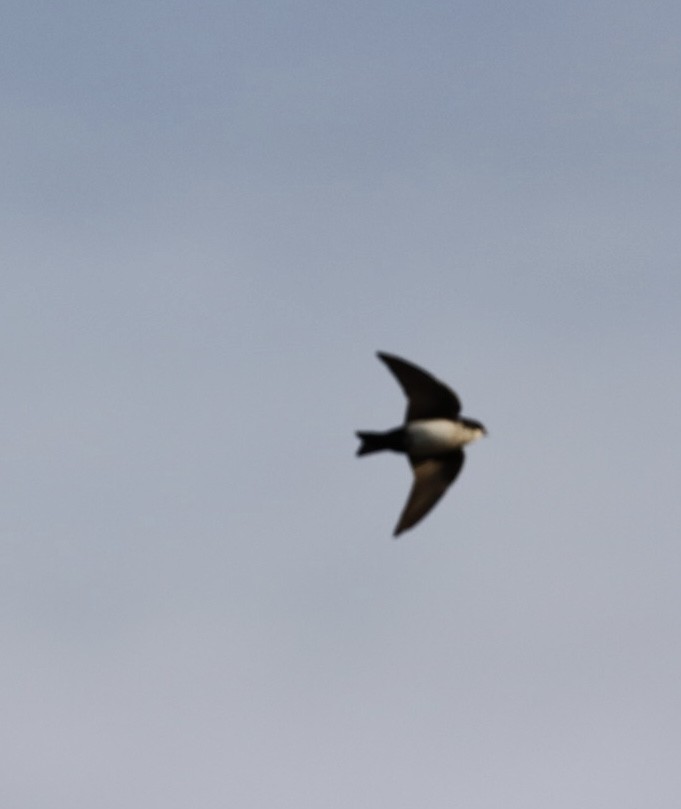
(213, 215)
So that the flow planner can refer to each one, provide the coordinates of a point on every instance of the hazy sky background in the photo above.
(213, 214)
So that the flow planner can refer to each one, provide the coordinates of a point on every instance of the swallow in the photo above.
(432, 437)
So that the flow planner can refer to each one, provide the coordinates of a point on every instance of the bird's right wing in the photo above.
(428, 397)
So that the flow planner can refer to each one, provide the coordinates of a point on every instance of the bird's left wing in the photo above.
(432, 478)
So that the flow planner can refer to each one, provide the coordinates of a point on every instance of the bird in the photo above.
(432, 437)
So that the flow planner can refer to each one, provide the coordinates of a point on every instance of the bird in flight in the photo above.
(432, 437)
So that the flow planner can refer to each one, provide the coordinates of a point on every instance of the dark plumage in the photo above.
(432, 437)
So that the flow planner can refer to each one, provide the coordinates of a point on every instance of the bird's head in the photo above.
(476, 428)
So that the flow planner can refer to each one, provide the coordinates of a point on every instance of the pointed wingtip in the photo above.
(390, 360)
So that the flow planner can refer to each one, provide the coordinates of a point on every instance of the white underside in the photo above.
(437, 436)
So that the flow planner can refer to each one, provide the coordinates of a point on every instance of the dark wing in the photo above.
(432, 478)
(428, 397)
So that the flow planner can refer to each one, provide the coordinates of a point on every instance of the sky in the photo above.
(213, 215)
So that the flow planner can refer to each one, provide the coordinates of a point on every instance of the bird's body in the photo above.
(429, 437)
(432, 437)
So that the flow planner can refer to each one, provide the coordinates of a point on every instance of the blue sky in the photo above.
(213, 215)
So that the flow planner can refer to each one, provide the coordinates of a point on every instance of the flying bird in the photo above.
(432, 437)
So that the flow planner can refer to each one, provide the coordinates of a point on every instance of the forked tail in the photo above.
(375, 442)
